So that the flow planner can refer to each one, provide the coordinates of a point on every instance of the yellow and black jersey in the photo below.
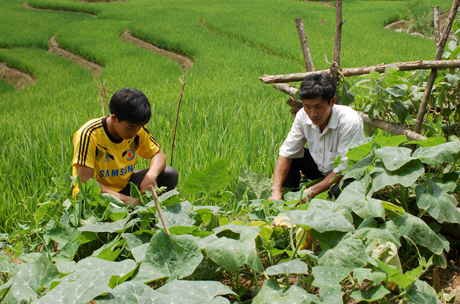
(113, 160)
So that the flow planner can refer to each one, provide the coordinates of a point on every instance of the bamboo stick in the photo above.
(304, 44)
(402, 66)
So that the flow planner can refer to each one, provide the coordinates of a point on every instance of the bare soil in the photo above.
(15, 77)
(90, 66)
(185, 62)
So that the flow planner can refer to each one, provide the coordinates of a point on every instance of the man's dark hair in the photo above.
(130, 105)
(318, 85)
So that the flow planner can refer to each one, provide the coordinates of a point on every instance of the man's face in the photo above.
(126, 130)
(318, 110)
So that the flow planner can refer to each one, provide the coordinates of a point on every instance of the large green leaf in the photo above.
(331, 206)
(257, 185)
(295, 267)
(443, 153)
(195, 292)
(370, 232)
(422, 293)
(329, 276)
(133, 292)
(354, 197)
(134, 240)
(79, 287)
(177, 215)
(357, 170)
(372, 294)
(394, 157)
(233, 254)
(320, 220)
(362, 274)
(400, 110)
(406, 175)
(28, 279)
(417, 230)
(272, 293)
(118, 226)
(391, 141)
(340, 248)
(169, 256)
(214, 178)
(438, 204)
(120, 271)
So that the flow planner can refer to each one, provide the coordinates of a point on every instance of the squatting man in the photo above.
(107, 148)
(328, 128)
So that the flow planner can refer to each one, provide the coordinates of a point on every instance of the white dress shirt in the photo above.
(345, 127)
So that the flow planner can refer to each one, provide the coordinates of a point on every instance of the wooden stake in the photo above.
(157, 204)
(434, 72)
(338, 36)
(436, 279)
(177, 118)
(346, 72)
(437, 32)
(304, 44)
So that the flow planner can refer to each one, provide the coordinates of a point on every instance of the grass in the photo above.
(226, 112)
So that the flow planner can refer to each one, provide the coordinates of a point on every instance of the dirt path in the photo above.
(15, 77)
(185, 62)
(94, 68)
(27, 6)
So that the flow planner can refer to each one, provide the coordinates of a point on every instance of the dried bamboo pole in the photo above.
(347, 72)
(304, 44)
(434, 72)
(177, 118)
(437, 26)
(157, 204)
(378, 123)
(338, 38)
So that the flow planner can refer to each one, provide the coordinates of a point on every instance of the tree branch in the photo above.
(402, 66)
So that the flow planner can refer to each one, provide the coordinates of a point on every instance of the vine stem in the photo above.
(157, 203)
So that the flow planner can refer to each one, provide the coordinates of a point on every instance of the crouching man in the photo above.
(328, 128)
(107, 148)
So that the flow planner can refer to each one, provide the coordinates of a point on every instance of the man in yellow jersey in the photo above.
(107, 148)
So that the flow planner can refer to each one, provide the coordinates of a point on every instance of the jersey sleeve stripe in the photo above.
(85, 137)
(151, 137)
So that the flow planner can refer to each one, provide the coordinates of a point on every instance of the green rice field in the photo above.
(226, 112)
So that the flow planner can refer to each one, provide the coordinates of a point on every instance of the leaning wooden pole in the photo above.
(338, 38)
(434, 72)
(304, 44)
(347, 72)
(177, 119)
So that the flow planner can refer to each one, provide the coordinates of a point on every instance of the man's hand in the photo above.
(276, 196)
(311, 192)
(128, 200)
(148, 180)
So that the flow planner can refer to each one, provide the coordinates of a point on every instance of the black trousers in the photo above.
(168, 178)
(308, 167)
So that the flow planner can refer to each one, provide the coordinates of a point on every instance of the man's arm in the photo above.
(324, 185)
(282, 167)
(87, 173)
(156, 166)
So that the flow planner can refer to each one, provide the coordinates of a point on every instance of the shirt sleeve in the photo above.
(350, 134)
(84, 149)
(293, 146)
(148, 146)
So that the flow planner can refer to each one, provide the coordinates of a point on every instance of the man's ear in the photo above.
(333, 101)
(114, 118)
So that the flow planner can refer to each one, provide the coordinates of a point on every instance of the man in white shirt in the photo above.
(328, 128)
